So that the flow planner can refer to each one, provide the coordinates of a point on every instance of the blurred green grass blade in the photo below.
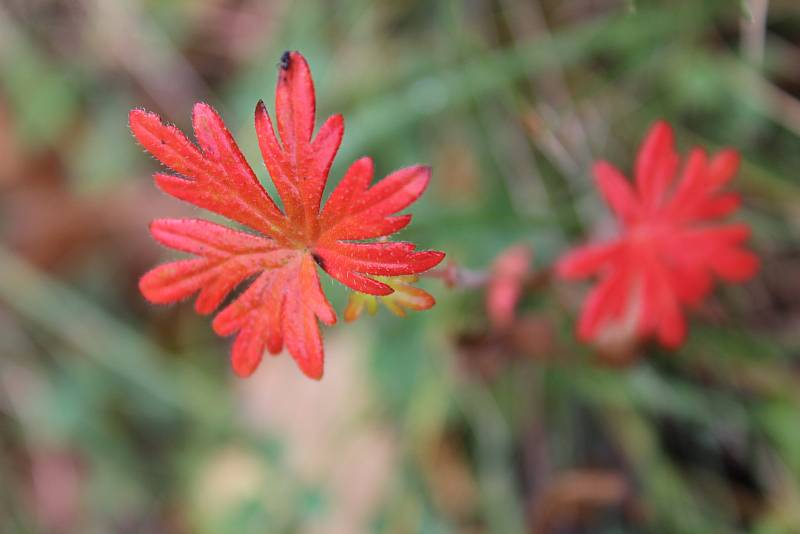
(676, 506)
(441, 87)
(62, 311)
(43, 95)
(494, 451)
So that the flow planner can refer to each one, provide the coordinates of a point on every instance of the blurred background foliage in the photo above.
(116, 416)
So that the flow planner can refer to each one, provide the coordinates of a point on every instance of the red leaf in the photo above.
(205, 179)
(358, 212)
(227, 257)
(617, 191)
(670, 248)
(282, 305)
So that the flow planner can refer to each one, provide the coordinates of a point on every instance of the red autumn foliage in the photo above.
(671, 244)
(282, 305)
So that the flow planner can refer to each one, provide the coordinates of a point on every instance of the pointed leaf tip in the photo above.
(286, 59)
